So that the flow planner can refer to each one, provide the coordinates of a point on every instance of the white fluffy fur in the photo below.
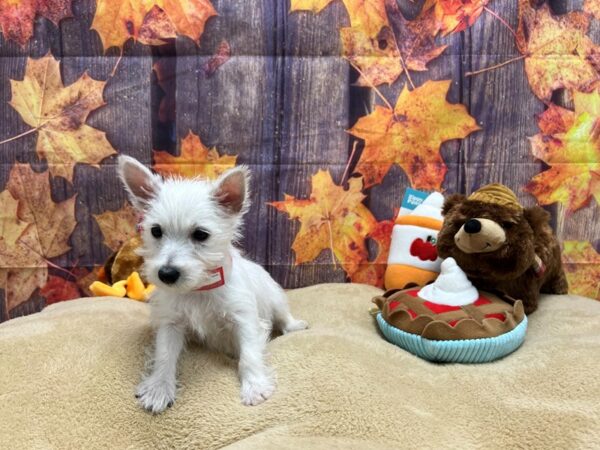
(236, 318)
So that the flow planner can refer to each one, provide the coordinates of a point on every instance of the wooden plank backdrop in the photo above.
(282, 103)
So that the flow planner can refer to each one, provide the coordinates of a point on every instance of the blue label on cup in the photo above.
(412, 199)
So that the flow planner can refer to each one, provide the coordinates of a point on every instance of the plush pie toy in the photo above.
(451, 321)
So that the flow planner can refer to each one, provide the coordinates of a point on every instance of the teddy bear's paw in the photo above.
(155, 395)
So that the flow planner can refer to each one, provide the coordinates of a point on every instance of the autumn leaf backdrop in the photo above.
(336, 105)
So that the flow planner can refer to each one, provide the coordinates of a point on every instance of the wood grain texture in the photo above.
(235, 109)
(503, 104)
(314, 117)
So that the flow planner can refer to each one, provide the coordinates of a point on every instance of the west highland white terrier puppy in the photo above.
(205, 288)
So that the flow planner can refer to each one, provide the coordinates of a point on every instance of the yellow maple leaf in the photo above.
(381, 58)
(58, 113)
(150, 21)
(367, 15)
(569, 143)
(195, 160)
(582, 267)
(379, 63)
(34, 229)
(53, 222)
(558, 53)
(118, 227)
(11, 228)
(332, 218)
(411, 135)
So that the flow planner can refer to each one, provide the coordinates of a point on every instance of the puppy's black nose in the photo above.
(473, 226)
(168, 274)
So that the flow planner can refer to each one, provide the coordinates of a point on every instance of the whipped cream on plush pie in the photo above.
(452, 287)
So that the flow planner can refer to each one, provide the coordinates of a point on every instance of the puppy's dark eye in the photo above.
(156, 231)
(200, 235)
(507, 225)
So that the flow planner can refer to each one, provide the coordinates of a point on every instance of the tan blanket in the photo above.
(67, 377)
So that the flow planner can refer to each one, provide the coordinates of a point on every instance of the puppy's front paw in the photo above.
(256, 391)
(155, 395)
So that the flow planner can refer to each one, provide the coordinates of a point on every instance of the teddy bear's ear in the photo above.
(536, 217)
(451, 201)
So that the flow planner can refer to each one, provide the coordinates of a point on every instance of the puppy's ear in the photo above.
(141, 184)
(231, 190)
(452, 201)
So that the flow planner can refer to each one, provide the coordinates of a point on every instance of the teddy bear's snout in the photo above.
(479, 235)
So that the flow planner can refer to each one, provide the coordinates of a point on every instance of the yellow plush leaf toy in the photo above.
(133, 287)
(120, 275)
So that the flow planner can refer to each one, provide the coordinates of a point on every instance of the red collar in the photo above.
(217, 279)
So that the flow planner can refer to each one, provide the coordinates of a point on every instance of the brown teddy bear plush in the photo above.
(502, 246)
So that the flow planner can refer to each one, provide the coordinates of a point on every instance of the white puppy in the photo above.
(205, 288)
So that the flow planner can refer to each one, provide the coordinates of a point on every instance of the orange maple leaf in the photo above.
(332, 218)
(382, 59)
(582, 267)
(558, 53)
(592, 7)
(118, 227)
(411, 135)
(34, 229)
(455, 15)
(150, 21)
(195, 160)
(367, 15)
(569, 143)
(18, 16)
(58, 114)
(373, 272)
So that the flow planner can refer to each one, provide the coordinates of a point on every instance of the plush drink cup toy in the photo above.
(413, 258)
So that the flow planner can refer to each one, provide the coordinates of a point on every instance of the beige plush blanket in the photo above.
(67, 378)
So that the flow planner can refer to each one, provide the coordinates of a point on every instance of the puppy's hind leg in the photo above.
(257, 381)
(282, 317)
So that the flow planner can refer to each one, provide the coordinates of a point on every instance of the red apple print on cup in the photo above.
(424, 250)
